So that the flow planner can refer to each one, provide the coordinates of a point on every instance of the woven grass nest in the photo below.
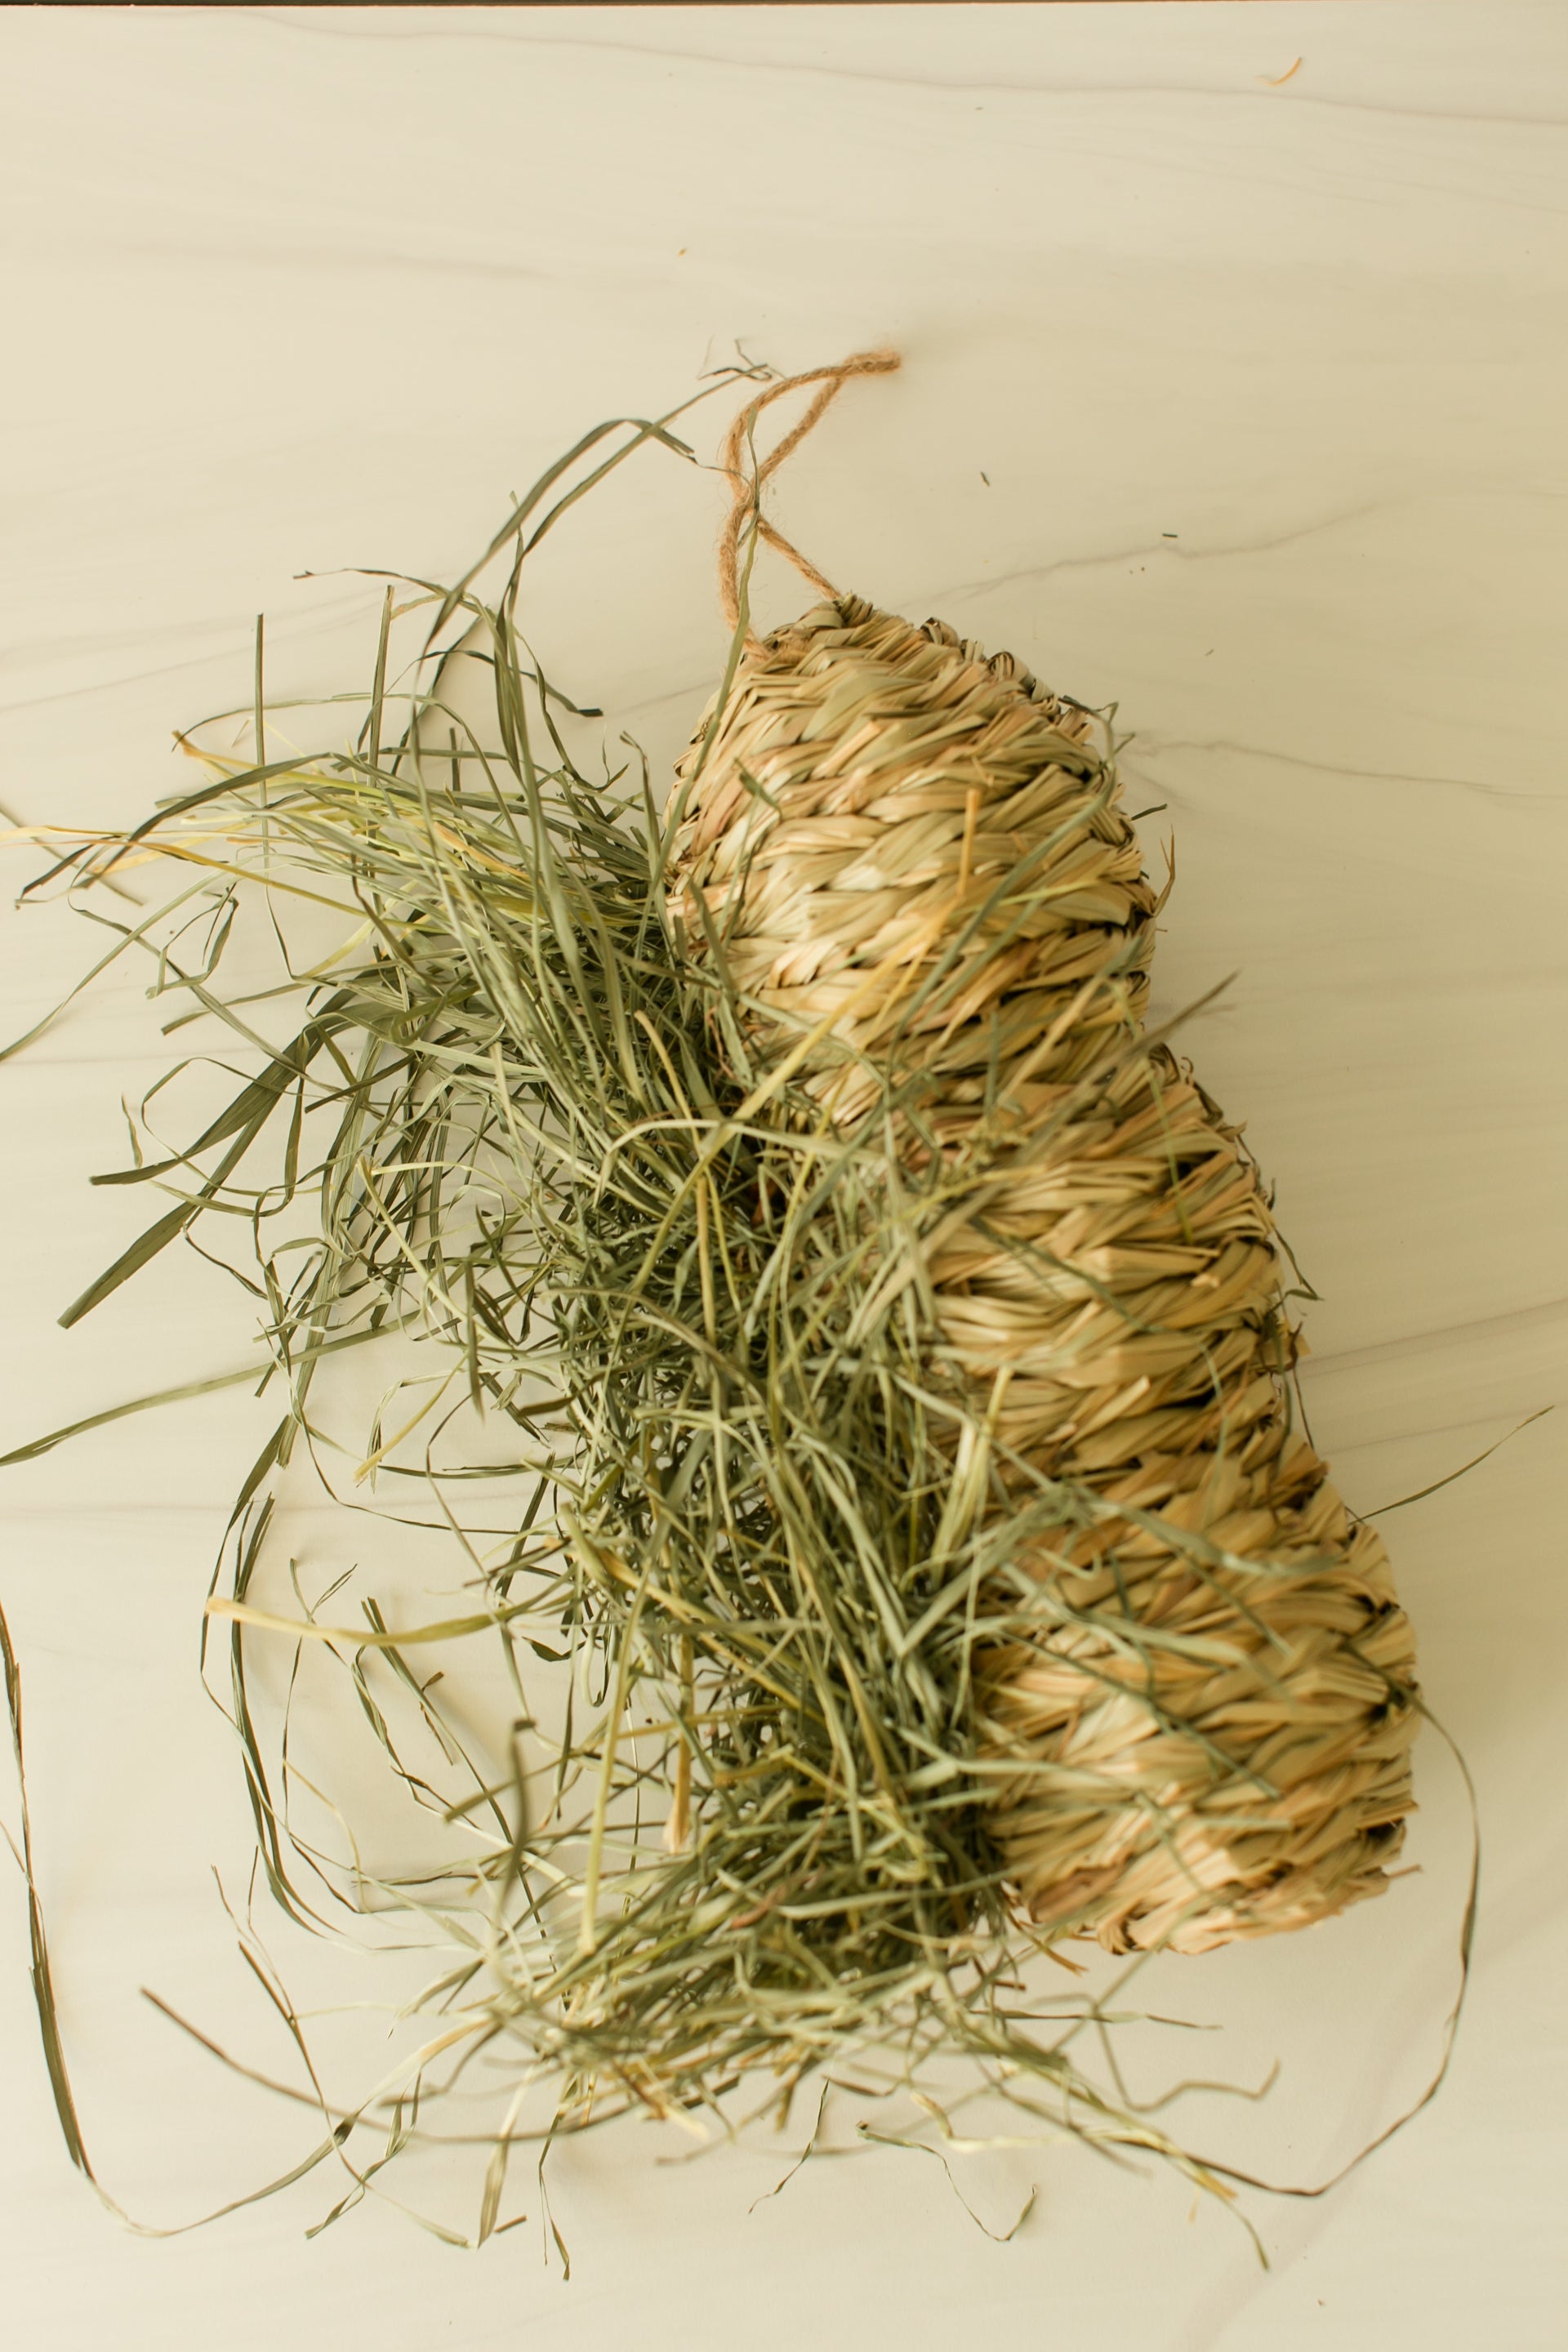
(925, 1564)
(917, 858)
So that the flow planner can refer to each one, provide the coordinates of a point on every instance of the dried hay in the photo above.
(924, 1562)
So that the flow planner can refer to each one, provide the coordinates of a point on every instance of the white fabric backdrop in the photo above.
(1268, 378)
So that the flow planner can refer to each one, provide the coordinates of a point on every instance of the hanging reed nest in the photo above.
(915, 861)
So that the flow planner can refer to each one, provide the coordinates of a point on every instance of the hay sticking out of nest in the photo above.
(923, 1565)
(915, 858)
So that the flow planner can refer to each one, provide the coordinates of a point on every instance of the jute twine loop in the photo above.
(747, 508)
(1193, 1722)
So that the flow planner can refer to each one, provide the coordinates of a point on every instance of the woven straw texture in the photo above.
(1199, 1727)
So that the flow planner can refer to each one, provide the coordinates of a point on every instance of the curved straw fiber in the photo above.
(917, 862)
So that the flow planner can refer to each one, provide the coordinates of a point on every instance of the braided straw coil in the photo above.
(925, 885)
